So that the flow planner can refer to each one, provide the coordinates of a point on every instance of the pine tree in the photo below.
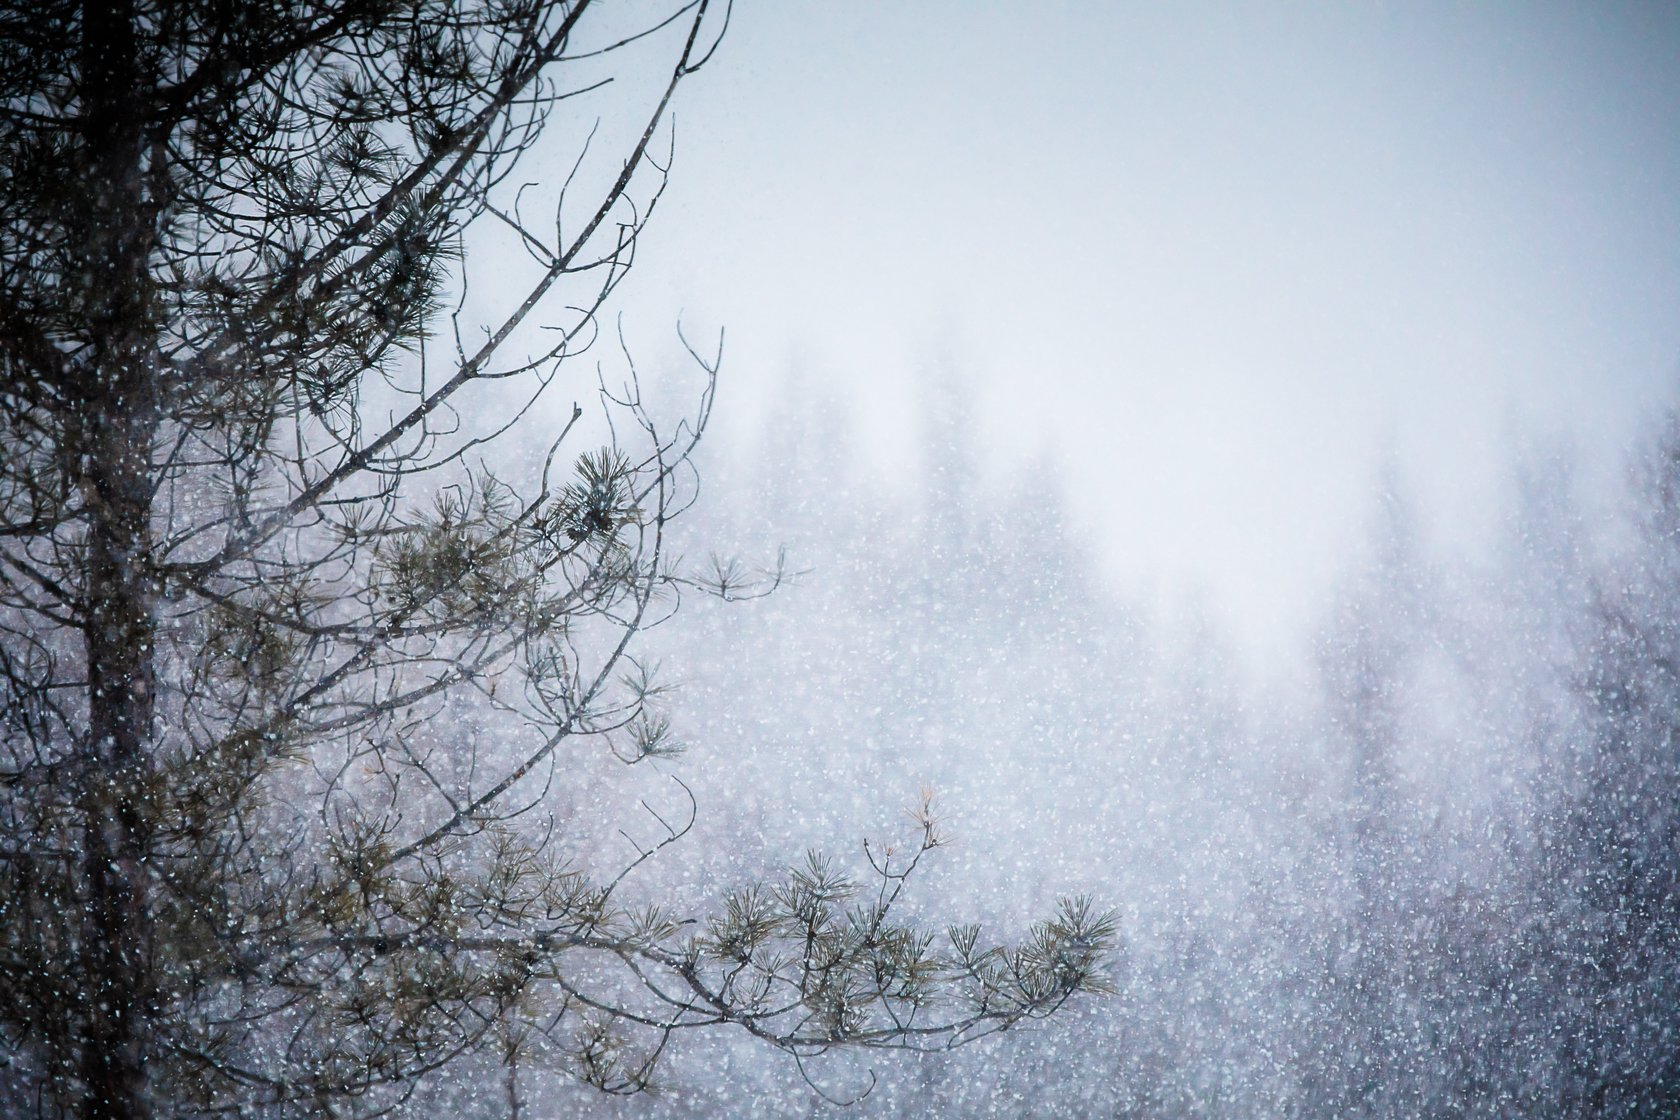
(257, 579)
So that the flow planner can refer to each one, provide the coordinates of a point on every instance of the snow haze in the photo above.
(1224, 446)
(1214, 264)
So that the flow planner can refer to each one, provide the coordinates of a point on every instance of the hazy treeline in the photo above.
(1442, 885)
(338, 775)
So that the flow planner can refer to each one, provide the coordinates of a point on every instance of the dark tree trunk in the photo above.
(115, 426)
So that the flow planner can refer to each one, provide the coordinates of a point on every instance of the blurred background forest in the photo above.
(1426, 866)
(1226, 445)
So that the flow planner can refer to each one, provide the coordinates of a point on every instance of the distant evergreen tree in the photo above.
(1608, 890)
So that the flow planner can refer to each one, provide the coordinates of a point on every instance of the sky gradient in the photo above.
(1217, 263)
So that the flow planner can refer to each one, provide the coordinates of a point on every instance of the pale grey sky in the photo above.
(1222, 259)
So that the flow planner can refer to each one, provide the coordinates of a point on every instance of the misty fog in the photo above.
(1216, 464)
(1433, 876)
(1225, 458)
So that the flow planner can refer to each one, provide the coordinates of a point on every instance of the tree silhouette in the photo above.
(289, 671)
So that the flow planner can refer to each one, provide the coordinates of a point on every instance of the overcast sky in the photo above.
(1220, 259)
